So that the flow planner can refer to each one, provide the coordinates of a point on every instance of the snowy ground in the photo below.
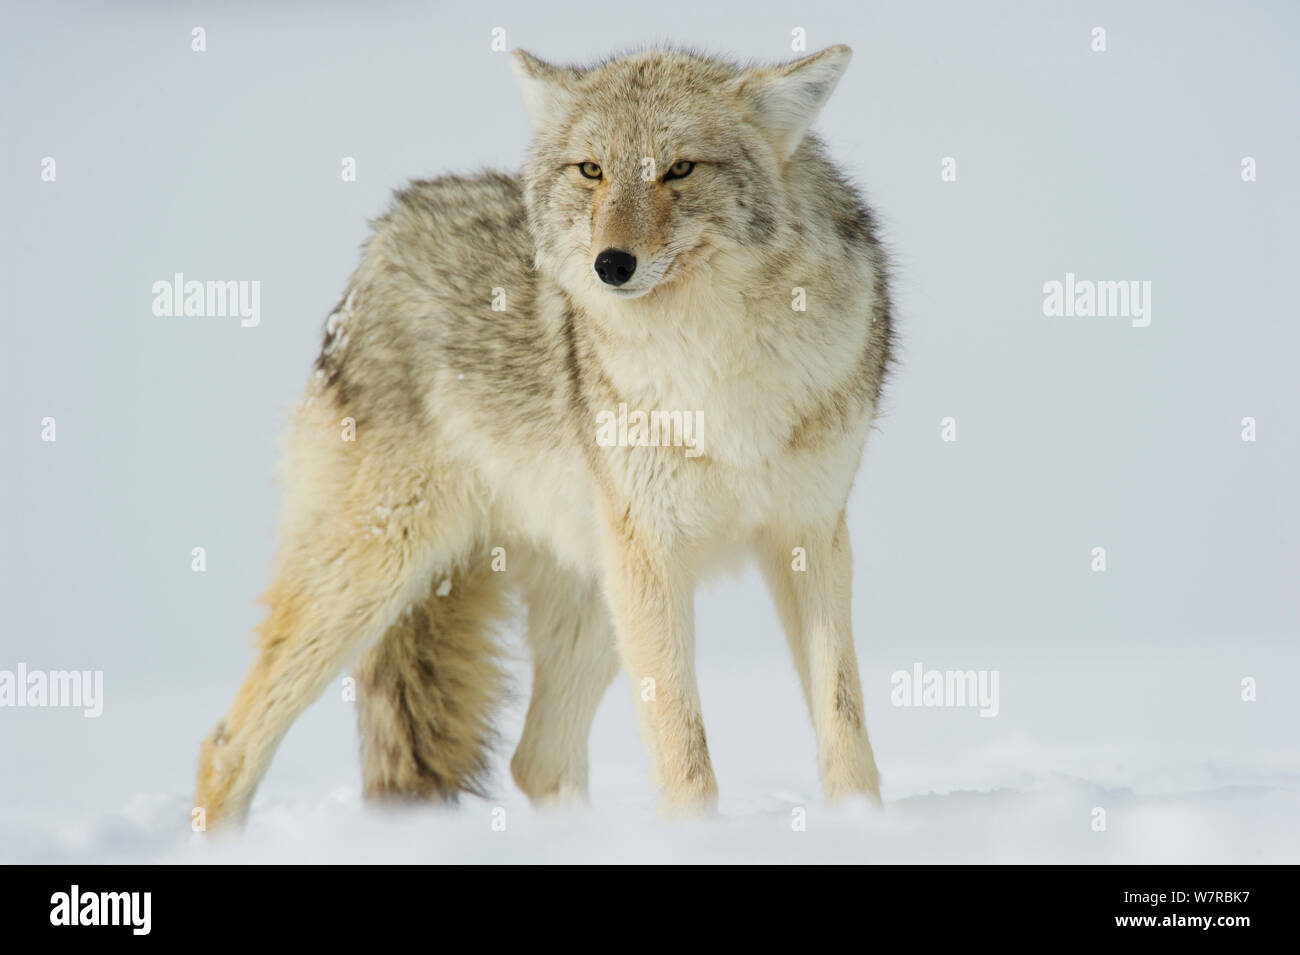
(1178, 784)
(1044, 822)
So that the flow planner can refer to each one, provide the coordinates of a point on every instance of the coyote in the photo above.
(677, 243)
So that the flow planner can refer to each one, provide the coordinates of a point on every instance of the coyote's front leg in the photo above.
(813, 599)
(652, 601)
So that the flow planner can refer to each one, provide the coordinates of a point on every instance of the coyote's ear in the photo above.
(542, 85)
(787, 98)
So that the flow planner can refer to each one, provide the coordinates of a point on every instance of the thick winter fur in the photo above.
(476, 428)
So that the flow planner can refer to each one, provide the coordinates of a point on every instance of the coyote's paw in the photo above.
(548, 786)
(219, 773)
(853, 784)
(695, 798)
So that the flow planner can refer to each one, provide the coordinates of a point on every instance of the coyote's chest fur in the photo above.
(705, 360)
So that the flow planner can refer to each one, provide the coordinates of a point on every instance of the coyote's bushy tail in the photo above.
(426, 693)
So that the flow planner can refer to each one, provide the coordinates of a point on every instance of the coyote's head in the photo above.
(644, 167)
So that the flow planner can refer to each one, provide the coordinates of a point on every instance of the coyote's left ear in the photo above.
(786, 99)
(544, 88)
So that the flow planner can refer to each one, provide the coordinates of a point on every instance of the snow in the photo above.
(957, 788)
(1043, 823)
(1046, 820)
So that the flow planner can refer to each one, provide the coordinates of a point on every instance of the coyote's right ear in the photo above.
(546, 94)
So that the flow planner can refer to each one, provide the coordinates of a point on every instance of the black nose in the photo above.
(615, 266)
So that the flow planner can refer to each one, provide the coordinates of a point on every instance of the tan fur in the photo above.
(358, 542)
(476, 433)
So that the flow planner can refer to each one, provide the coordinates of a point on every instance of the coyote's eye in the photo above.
(680, 170)
(589, 169)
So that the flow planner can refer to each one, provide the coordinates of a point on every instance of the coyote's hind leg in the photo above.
(358, 545)
(575, 657)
